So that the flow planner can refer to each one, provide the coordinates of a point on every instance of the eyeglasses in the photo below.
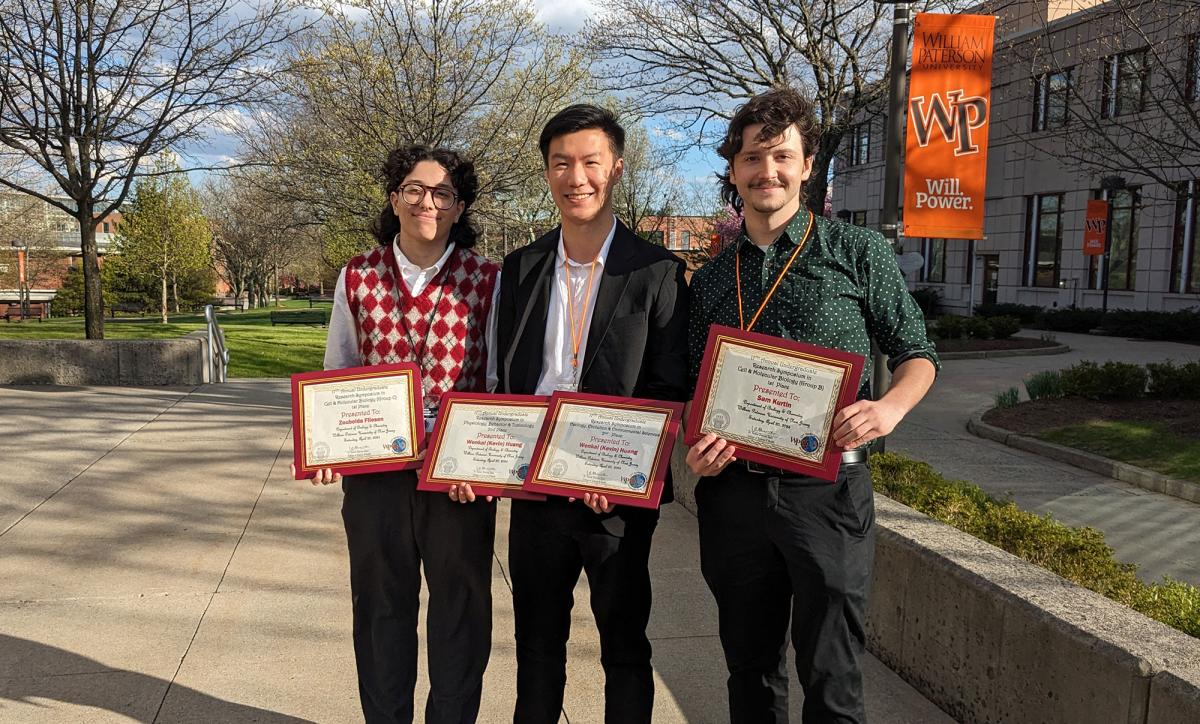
(414, 193)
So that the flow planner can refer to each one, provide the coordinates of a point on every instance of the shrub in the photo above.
(1080, 555)
(977, 328)
(928, 299)
(1113, 380)
(950, 326)
(1044, 385)
(1183, 326)
(1004, 327)
(1080, 321)
(1169, 380)
(1008, 398)
(1027, 313)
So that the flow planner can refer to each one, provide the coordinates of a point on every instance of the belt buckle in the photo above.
(753, 468)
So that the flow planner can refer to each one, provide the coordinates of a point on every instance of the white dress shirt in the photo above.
(557, 372)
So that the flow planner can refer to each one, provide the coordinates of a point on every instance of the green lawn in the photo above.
(256, 349)
(1147, 445)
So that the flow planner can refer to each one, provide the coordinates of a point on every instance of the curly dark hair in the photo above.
(400, 162)
(776, 110)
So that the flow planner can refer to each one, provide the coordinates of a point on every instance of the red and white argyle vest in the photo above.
(391, 322)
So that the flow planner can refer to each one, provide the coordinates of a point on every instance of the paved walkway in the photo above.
(1158, 532)
(157, 564)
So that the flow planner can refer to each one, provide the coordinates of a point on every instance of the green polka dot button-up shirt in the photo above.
(843, 289)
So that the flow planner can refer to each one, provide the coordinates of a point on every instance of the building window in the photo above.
(860, 144)
(1124, 85)
(858, 218)
(1051, 95)
(655, 237)
(1185, 260)
(685, 240)
(1122, 263)
(1193, 69)
(934, 251)
(105, 227)
(1043, 239)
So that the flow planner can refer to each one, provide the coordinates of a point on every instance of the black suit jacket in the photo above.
(637, 341)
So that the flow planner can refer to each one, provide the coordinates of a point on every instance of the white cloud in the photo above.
(564, 17)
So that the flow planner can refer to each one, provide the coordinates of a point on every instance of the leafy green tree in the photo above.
(69, 297)
(164, 235)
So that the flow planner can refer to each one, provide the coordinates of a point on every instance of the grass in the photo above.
(1145, 444)
(256, 349)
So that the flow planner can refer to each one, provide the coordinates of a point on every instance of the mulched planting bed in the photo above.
(988, 345)
(1030, 418)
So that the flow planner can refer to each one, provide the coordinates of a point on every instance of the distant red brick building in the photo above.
(678, 233)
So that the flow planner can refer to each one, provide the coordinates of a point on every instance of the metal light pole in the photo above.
(1108, 184)
(889, 221)
(22, 285)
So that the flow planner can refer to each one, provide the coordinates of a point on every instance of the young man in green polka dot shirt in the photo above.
(778, 548)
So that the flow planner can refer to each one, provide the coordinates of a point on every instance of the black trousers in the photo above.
(549, 543)
(392, 531)
(794, 550)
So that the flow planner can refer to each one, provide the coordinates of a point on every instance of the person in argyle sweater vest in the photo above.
(422, 296)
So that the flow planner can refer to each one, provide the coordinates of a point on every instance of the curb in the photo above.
(1124, 472)
(986, 354)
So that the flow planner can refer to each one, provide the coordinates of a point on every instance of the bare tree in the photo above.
(693, 61)
(1116, 92)
(650, 188)
(90, 88)
(480, 76)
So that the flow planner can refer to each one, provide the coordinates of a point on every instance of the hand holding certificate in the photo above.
(486, 441)
(612, 446)
(357, 420)
(774, 399)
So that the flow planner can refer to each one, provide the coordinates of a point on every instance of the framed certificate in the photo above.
(618, 447)
(774, 399)
(484, 440)
(357, 420)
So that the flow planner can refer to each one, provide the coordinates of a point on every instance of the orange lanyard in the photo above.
(737, 267)
(577, 335)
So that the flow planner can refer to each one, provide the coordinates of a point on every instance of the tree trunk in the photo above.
(175, 291)
(93, 299)
(163, 306)
(818, 183)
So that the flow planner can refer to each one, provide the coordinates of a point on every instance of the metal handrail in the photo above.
(218, 353)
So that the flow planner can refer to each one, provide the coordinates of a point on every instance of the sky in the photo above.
(565, 17)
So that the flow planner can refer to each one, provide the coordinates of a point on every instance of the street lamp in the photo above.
(889, 220)
(22, 286)
(1108, 184)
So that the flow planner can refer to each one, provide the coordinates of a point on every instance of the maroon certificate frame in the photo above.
(774, 399)
(494, 461)
(357, 420)
(618, 447)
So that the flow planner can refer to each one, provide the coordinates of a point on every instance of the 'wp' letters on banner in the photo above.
(949, 110)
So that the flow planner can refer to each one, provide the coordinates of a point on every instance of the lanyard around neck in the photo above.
(577, 336)
(737, 266)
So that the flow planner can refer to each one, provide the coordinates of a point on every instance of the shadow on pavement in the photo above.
(128, 693)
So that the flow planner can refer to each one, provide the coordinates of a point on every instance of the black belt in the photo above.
(849, 457)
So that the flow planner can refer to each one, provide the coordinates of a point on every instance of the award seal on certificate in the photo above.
(615, 446)
(357, 420)
(774, 399)
(485, 440)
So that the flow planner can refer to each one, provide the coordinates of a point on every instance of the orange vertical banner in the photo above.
(1095, 227)
(949, 113)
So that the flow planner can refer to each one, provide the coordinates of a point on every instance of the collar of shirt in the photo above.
(600, 257)
(416, 277)
(792, 234)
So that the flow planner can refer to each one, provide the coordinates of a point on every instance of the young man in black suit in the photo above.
(591, 307)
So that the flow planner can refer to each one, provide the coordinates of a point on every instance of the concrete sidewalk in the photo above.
(1158, 532)
(158, 564)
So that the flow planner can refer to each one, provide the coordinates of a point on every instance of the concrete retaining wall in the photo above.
(990, 638)
(103, 362)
